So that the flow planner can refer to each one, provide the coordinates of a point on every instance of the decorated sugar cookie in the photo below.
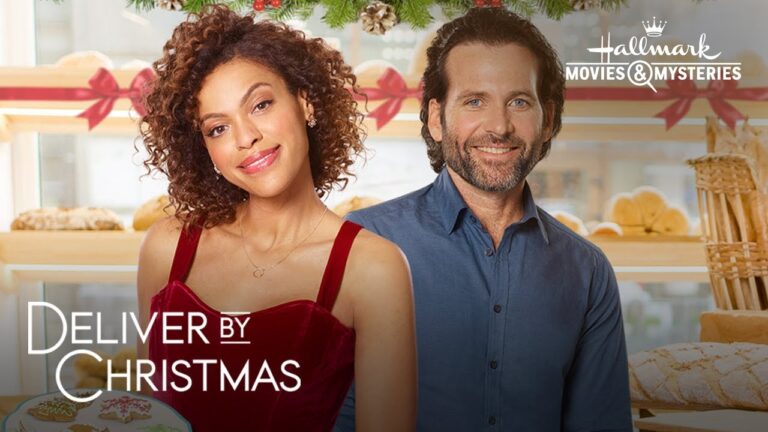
(58, 409)
(125, 409)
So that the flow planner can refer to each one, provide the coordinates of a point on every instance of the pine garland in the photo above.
(416, 13)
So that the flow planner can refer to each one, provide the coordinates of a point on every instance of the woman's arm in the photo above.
(155, 258)
(385, 349)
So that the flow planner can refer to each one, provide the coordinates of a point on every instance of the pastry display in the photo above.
(59, 218)
(701, 375)
(112, 411)
(646, 211)
(354, 203)
(572, 222)
(152, 211)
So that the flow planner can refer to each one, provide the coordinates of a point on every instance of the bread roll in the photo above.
(672, 221)
(609, 229)
(701, 375)
(87, 366)
(81, 218)
(623, 210)
(646, 212)
(152, 211)
(120, 361)
(651, 202)
(572, 222)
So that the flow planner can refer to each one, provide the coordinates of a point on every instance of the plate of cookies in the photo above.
(112, 411)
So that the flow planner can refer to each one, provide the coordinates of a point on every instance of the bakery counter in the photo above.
(93, 255)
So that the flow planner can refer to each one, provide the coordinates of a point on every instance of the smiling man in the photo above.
(518, 318)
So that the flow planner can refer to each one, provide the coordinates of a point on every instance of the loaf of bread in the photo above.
(573, 222)
(701, 375)
(59, 218)
(151, 211)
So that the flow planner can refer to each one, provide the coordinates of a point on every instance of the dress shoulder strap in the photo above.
(185, 252)
(337, 262)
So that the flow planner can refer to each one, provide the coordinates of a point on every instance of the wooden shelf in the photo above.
(66, 256)
(70, 247)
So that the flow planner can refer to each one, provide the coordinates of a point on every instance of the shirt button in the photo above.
(491, 420)
(497, 308)
(494, 365)
(489, 252)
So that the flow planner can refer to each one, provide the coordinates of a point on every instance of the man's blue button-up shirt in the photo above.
(524, 337)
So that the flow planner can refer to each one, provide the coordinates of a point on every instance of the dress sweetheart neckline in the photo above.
(208, 308)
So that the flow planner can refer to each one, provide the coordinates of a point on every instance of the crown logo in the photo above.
(653, 29)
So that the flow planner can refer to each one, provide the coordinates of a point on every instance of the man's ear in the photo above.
(433, 121)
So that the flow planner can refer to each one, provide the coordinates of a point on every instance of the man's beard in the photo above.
(490, 177)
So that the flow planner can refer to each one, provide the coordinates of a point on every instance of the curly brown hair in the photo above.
(491, 26)
(171, 127)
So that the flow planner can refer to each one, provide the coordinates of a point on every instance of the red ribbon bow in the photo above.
(684, 92)
(394, 91)
(102, 87)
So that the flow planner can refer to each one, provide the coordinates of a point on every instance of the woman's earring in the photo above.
(216, 170)
(312, 122)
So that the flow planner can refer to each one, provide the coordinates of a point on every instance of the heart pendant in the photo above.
(259, 272)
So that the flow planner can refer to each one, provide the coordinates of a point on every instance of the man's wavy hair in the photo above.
(171, 128)
(494, 27)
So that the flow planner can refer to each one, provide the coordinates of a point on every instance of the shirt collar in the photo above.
(451, 205)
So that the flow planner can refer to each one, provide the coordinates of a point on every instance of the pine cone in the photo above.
(378, 17)
(171, 5)
(585, 4)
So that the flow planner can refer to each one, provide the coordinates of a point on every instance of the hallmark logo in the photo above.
(654, 30)
(640, 72)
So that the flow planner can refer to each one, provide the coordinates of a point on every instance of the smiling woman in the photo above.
(253, 123)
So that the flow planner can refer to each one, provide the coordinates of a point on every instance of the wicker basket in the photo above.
(735, 227)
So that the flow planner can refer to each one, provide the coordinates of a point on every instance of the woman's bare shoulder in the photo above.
(376, 263)
(156, 253)
(162, 237)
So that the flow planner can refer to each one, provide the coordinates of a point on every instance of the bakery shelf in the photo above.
(68, 256)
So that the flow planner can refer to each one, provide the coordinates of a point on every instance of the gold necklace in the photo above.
(258, 271)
